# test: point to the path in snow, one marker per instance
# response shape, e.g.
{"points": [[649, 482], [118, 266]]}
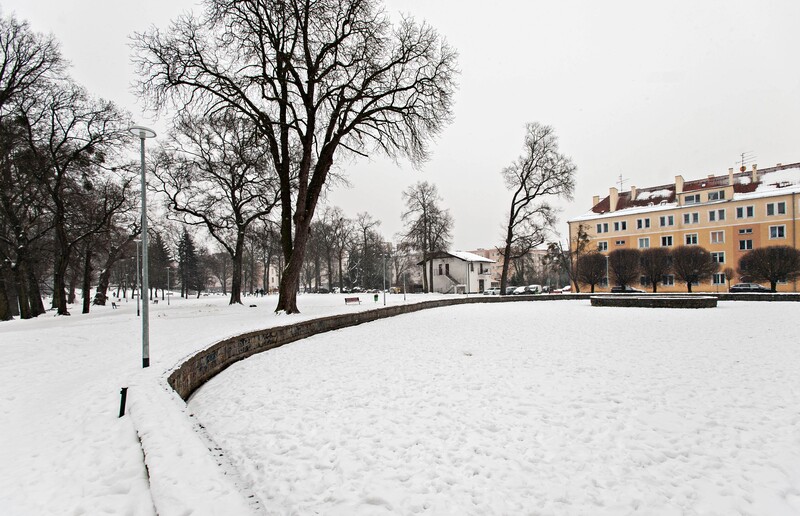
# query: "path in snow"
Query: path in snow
{"points": [[523, 408]]}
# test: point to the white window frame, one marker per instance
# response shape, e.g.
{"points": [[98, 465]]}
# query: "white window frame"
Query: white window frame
{"points": [[777, 232], [716, 215], [746, 244], [777, 208], [602, 246], [602, 228], [666, 220], [645, 241], [642, 223], [713, 234], [746, 231], [664, 239], [718, 256], [621, 225], [718, 278], [716, 196], [619, 242], [668, 280], [686, 238], [691, 218], [745, 212], [692, 199]]}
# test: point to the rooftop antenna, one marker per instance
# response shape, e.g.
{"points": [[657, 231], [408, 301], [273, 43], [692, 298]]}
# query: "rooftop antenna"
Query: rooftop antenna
{"points": [[746, 158], [621, 182]]}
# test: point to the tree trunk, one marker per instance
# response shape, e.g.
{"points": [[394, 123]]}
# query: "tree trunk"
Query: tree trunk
{"points": [[23, 295], [689, 287], [34, 294], [773, 286], [5, 302], [86, 286], [236, 276]]}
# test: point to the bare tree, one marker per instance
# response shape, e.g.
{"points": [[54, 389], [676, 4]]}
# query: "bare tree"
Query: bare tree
{"points": [[655, 263], [317, 77], [217, 173], [591, 269], [539, 173], [567, 261], [773, 264], [692, 264], [729, 274], [429, 226], [624, 266]]}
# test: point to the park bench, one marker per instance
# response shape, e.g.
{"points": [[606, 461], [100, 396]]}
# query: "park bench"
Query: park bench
{"points": [[352, 300]]}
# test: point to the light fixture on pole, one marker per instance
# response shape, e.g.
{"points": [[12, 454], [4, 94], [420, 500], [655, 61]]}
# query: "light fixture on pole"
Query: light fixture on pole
{"points": [[143, 133], [168, 292]]}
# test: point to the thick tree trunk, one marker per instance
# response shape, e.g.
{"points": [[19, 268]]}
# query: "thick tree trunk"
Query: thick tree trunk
{"points": [[689, 286], [34, 294], [655, 288], [23, 295], [86, 286], [6, 312]]}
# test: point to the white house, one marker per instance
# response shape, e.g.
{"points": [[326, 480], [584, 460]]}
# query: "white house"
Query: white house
{"points": [[459, 272]]}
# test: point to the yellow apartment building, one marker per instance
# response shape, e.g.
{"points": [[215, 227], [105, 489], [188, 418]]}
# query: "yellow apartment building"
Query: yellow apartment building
{"points": [[728, 215]]}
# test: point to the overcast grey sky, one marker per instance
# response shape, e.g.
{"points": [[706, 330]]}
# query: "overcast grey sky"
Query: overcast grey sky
{"points": [[635, 88]]}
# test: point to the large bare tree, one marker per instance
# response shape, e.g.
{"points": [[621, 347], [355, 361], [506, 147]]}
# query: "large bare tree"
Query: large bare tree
{"points": [[428, 225], [692, 264], [655, 263], [217, 173], [540, 173], [624, 266], [318, 77]]}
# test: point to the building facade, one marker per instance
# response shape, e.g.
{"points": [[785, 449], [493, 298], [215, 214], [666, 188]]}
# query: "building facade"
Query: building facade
{"points": [[728, 215], [459, 272]]}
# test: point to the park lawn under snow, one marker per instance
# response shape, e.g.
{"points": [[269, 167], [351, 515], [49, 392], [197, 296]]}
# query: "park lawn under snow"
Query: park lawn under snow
{"points": [[63, 450], [522, 408]]}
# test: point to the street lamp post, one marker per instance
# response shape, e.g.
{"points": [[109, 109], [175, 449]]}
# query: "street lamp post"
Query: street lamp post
{"points": [[384, 278], [136, 283], [143, 133]]}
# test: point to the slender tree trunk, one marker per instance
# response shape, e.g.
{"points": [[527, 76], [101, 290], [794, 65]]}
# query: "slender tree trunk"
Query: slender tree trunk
{"points": [[23, 295], [34, 294], [86, 286], [689, 286], [5, 298], [655, 287], [236, 276]]}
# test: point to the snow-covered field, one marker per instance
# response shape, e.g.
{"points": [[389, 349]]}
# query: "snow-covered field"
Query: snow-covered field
{"points": [[518, 408], [63, 451], [522, 408]]}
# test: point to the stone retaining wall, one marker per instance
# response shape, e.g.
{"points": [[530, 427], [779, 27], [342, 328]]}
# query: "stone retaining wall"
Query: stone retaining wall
{"points": [[656, 301]]}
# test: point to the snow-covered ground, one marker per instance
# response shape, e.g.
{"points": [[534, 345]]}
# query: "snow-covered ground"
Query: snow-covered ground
{"points": [[522, 408], [63, 451]]}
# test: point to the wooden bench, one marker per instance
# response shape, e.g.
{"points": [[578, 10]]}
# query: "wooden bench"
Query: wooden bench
{"points": [[352, 300]]}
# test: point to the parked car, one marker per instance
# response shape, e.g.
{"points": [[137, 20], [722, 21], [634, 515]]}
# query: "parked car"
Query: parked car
{"points": [[491, 291], [519, 291], [749, 287], [533, 289], [626, 289], [510, 290]]}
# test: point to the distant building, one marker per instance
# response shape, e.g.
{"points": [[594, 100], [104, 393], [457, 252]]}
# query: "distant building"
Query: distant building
{"points": [[728, 215], [459, 272], [532, 266]]}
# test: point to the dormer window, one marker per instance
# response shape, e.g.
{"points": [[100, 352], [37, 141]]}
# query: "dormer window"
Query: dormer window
{"points": [[692, 199], [716, 196]]}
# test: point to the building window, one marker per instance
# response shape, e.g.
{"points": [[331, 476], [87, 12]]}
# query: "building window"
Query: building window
{"points": [[619, 242], [745, 212], [666, 220], [718, 278], [668, 280], [717, 237], [715, 215], [777, 231], [692, 199], [691, 239], [644, 243], [745, 231], [440, 270], [602, 228], [691, 218], [602, 246], [776, 208], [718, 257], [745, 245], [666, 241], [642, 223], [716, 196], [621, 226], [471, 267], [644, 281]]}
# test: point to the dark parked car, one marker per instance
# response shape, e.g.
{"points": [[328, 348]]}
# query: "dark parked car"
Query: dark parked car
{"points": [[619, 289], [749, 287]]}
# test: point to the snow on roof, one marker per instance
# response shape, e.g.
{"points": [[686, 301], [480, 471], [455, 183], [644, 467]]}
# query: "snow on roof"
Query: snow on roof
{"points": [[590, 215], [779, 179], [645, 195], [469, 257]]}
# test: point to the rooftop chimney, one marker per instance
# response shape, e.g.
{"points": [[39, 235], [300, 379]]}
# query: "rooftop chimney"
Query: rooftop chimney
{"points": [[678, 185], [754, 173], [730, 177], [595, 200], [613, 197], [633, 193]]}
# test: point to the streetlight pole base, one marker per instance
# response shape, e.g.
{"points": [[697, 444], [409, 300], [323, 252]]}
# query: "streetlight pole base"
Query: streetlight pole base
{"points": [[145, 362]]}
